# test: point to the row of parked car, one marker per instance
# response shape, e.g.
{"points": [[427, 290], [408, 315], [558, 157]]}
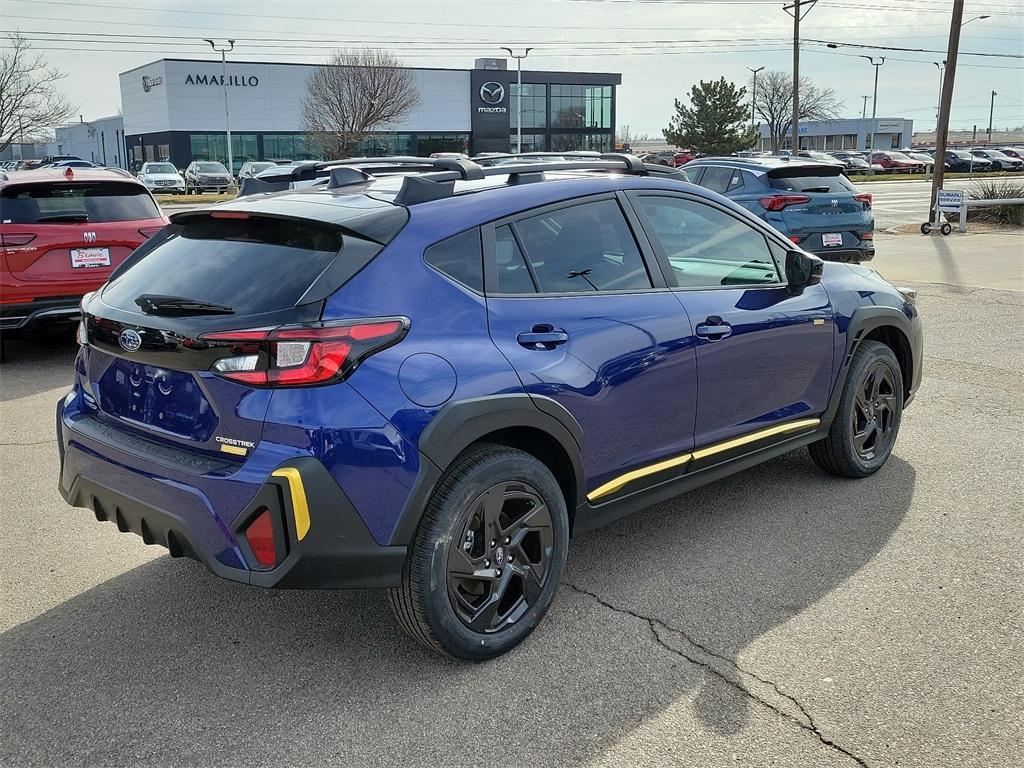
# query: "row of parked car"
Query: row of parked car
{"points": [[884, 161]]}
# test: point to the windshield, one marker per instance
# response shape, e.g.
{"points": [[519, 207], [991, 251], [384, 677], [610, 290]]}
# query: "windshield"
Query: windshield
{"points": [[211, 168], [160, 168], [62, 202], [257, 167], [898, 156]]}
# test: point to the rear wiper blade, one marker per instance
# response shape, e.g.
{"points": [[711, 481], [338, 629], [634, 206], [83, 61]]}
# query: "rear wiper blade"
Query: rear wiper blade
{"points": [[64, 217], [153, 304], [815, 189]]}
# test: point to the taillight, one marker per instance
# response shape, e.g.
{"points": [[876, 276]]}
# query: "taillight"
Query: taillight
{"points": [[303, 355], [260, 535], [864, 197], [867, 235], [778, 202], [148, 232], [19, 238], [795, 239]]}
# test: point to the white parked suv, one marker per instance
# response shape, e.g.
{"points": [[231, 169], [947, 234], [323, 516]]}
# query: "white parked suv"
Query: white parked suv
{"points": [[162, 177]]}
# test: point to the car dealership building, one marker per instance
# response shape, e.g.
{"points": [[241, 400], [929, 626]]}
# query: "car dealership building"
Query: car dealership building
{"points": [[174, 110]]}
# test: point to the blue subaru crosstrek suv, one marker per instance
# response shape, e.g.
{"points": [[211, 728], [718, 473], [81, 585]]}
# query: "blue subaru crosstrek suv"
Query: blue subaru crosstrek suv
{"points": [[427, 377], [812, 203]]}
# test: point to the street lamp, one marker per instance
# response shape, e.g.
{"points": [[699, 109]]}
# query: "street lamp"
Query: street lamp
{"points": [[753, 95], [223, 50], [519, 94], [874, 103]]}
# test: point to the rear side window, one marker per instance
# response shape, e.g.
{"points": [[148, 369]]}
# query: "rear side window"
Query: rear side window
{"points": [[251, 265], [513, 276], [811, 182], [587, 247], [721, 180], [76, 203], [460, 258]]}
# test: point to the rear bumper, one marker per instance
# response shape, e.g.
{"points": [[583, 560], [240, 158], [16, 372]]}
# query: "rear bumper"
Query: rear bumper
{"points": [[855, 255], [335, 551], [16, 317]]}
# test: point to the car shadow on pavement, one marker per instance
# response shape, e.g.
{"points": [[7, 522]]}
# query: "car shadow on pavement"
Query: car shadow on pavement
{"points": [[165, 664]]}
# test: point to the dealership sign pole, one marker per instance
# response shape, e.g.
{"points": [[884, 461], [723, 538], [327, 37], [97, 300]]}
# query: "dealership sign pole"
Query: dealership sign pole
{"points": [[227, 114]]}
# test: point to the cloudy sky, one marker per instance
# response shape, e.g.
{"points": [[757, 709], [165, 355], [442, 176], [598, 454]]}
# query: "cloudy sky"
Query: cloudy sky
{"points": [[661, 47]]}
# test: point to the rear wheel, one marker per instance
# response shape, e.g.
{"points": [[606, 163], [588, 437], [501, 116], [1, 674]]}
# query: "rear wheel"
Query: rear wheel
{"points": [[864, 429], [488, 555]]}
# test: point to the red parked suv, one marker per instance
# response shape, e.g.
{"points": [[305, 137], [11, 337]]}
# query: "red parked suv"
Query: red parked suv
{"points": [[62, 233], [682, 158], [897, 162]]}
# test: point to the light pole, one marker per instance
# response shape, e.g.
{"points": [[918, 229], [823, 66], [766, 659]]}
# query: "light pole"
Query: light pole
{"points": [[991, 109], [753, 95], [874, 103], [224, 81], [519, 94], [864, 110]]}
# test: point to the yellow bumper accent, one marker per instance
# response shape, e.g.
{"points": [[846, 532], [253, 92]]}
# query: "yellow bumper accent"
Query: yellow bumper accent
{"points": [[622, 480], [300, 509]]}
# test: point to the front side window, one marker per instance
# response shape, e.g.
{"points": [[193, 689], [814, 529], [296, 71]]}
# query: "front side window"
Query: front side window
{"points": [[705, 247], [583, 248]]}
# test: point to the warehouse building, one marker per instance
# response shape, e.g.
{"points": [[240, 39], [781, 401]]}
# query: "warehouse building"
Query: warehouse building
{"points": [[827, 135], [174, 110]]}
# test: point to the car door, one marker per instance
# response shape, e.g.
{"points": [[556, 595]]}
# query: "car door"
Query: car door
{"points": [[764, 355], [586, 318]]}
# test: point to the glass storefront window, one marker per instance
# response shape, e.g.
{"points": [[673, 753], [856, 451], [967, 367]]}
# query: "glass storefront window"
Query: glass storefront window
{"points": [[535, 105]]}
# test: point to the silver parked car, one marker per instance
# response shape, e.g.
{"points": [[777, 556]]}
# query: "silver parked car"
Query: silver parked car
{"points": [[162, 177]]}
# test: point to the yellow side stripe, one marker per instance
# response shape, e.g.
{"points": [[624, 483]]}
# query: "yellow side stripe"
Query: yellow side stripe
{"points": [[300, 509], [622, 480], [755, 436]]}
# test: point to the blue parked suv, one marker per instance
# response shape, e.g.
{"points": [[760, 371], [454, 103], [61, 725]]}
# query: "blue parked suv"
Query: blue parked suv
{"points": [[427, 378], [811, 203]]}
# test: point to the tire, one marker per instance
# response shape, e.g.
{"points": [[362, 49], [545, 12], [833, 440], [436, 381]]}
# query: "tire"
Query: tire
{"points": [[926, 228], [839, 453], [945, 228], [457, 532]]}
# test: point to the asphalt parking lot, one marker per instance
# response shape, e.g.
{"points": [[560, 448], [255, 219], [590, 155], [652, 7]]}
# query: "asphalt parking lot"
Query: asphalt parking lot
{"points": [[777, 618]]}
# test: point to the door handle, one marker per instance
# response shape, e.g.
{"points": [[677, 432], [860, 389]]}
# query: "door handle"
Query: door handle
{"points": [[714, 328], [542, 337]]}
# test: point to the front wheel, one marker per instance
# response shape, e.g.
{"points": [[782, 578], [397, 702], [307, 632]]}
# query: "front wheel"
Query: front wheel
{"points": [[864, 429], [946, 228], [926, 228], [488, 555]]}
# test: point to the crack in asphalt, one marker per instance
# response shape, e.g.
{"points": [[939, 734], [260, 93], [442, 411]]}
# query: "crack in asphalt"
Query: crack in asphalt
{"points": [[36, 442], [806, 724]]}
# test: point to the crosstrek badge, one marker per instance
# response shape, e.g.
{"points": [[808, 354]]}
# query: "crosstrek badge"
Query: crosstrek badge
{"points": [[237, 447]]}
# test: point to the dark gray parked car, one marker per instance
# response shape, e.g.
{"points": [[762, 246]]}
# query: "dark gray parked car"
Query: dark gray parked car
{"points": [[206, 176]]}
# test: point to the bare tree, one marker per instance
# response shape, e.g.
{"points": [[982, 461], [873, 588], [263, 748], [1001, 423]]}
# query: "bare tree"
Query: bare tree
{"points": [[357, 92], [774, 104], [29, 100]]}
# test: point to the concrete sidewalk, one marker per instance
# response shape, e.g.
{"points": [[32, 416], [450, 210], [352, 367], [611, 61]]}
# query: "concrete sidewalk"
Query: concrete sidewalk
{"points": [[974, 259]]}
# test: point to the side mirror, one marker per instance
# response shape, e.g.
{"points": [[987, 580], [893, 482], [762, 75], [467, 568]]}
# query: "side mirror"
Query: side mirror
{"points": [[802, 270]]}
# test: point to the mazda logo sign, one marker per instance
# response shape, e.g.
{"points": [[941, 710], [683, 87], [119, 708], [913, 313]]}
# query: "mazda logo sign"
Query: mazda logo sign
{"points": [[492, 93], [129, 340]]}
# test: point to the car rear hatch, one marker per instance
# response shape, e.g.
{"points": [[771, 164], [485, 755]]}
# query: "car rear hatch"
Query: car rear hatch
{"points": [[147, 365], [819, 206], [56, 231]]}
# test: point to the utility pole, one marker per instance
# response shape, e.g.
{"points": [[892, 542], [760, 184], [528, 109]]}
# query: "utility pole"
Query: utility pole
{"points": [[874, 104], [942, 129], [519, 95], [753, 95], [991, 109], [224, 81], [864, 111]]}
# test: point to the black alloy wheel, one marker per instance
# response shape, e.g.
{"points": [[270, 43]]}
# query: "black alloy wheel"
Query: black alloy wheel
{"points": [[488, 556], [499, 564], [874, 412], [864, 430]]}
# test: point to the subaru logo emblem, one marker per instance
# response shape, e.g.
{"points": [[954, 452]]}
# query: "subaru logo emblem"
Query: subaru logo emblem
{"points": [[492, 93], [89, 237], [129, 340]]}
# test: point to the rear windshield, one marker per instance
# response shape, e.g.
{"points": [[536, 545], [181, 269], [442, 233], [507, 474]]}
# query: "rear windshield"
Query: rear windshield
{"points": [[211, 168], [76, 202], [251, 265], [810, 180]]}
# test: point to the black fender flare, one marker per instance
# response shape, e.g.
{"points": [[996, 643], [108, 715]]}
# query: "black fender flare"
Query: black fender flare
{"points": [[863, 321], [460, 424]]}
